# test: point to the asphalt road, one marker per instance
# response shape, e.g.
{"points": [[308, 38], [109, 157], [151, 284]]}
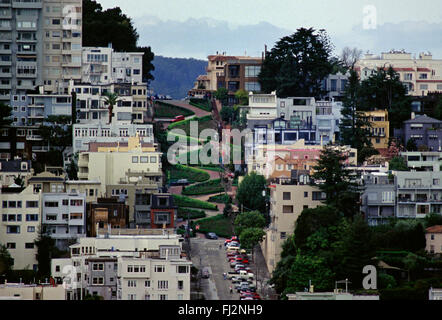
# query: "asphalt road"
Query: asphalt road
{"points": [[206, 253]]}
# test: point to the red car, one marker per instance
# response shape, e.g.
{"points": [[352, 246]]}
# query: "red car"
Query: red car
{"points": [[178, 118]]}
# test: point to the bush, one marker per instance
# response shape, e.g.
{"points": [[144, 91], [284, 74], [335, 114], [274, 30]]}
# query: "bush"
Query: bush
{"points": [[209, 187], [386, 281], [203, 104], [205, 122], [220, 198], [219, 224], [193, 214], [167, 110], [182, 201], [191, 174]]}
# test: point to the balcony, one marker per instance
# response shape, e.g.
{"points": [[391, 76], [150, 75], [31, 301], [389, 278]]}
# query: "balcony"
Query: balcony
{"points": [[36, 115], [26, 4], [37, 105], [40, 148], [34, 138]]}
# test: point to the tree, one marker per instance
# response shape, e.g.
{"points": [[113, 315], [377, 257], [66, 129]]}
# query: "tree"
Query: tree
{"points": [[242, 96], [72, 170], [18, 180], [398, 164], [354, 126], [45, 252], [411, 145], [5, 115], [433, 219], [252, 219], [249, 194], [111, 99], [438, 109], [222, 94], [297, 64], [6, 261], [250, 237], [227, 114], [384, 89], [337, 182], [148, 66], [349, 57], [57, 132]]}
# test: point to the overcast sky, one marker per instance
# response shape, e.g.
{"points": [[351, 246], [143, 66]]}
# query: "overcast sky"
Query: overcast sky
{"points": [[417, 23]]}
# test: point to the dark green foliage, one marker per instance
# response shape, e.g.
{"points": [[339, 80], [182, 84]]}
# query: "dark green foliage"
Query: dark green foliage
{"points": [[250, 237], [182, 201], [247, 220], [438, 109], [242, 96], [249, 193], [6, 261], [184, 213], [433, 219], [297, 64], [57, 132], [191, 174], [411, 145], [5, 114], [209, 187], [222, 94], [46, 251], [148, 66], [386, 281], [166, 110], [220, 198], [398, 164], [399, 236], [218, 224], [203, 104]]}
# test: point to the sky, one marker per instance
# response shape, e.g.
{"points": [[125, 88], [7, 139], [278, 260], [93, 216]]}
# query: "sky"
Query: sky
{"points": [[187, 28]]}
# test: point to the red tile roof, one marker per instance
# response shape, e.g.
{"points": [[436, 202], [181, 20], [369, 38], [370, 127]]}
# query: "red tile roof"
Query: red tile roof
{"points": [[424, 69], [435, 229]]}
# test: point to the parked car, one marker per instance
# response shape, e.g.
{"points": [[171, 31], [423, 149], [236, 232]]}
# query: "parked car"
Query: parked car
{"points": [[236, 280], [168, 97], [178, 118], [233, 244], [205, 273], [180, 182], [211, 235], [227, 242]]}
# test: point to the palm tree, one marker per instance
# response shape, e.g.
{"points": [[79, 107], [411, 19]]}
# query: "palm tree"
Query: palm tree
{"points": [[111, 99]]}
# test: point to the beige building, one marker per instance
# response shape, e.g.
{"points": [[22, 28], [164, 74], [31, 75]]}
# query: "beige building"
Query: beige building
{"points": [[380, 128], [420, 76], [90, 188], [287, 201], [19, 225], [433, 239], [20, 291]]}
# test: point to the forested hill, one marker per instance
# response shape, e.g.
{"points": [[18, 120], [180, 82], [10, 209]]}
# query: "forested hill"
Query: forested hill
{"points": [[176, 76]]}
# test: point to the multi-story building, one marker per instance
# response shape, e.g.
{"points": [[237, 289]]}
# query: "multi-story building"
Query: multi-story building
{"points": [[287, 201], [47, 182], [106, 213], [334, 86], [83, 134], [380, 128], [102, 65], [328, 117], [425, 131], [90, 188], [64, 217], [101, 277], [433, 237], [163, 212], [21, 291], [422, 160], [19, 225], [21, 141], [420, 76], [12, 169]]}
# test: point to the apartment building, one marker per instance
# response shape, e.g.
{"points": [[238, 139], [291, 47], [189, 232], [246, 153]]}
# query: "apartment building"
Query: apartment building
{"points": [[163, 212], [288, 198], [425, 131], [422, 160], [334, 86], [21, 141], [89, 188], [64, 217], [106, 213], [102, 65], [101, 277], [433, 237], [12, 169], [328, 118], [165, 277], [420, 76], [21, 291], [84, 134], [19, 225], [47, 182], [380, 128]]}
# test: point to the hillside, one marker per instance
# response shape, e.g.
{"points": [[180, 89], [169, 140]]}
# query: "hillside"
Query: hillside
{"points": [[176, 76]]}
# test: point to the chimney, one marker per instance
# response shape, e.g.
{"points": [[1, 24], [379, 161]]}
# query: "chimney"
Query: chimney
{"points": [[413, 115]]}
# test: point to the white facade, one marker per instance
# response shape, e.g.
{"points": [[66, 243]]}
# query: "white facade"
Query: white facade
{"points": [[100, 132], [19, 226], [64, 217], [328, 117]]}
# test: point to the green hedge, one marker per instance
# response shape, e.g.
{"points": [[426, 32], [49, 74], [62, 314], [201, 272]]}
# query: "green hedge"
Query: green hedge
{"points": [[203, 104], [203, 123], [219, 198], [182, 201], [209, 187], [192, 174], [167, 110], [193, 214], [219, 224]]}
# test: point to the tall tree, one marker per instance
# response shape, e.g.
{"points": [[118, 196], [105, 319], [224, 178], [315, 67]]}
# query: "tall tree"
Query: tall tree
{"points": [[242, 96], [249, 193], [57, 132], [384, 89], [222, 94], [252, 219], [6, 261], [337, 182], [5, 115], [148, 66], [297, 64], [349, 57], [45, 252], [111, 99], [354, 126]]}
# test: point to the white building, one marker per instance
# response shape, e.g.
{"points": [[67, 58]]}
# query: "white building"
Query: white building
{"points": [[20, 291], [19, 225], [64, 217]]}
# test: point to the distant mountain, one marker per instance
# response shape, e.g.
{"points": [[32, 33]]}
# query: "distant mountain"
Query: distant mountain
{"points": [[176, 76]]}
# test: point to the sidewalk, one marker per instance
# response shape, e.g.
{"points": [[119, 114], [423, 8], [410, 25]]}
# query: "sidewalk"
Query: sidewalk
{"points": [[262, 275]]}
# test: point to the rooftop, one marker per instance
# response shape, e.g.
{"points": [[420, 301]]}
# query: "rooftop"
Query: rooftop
{"points": [[434, 229]]}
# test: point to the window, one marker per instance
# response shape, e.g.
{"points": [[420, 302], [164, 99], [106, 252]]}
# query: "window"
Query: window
{"points": [[147, 297], [163, 284], [144, 159], [13, 229], [286, 196], [287, 209], [98, 280], [252, 71], [423, 76], [283, 235], [180, 284], [31, 204], [130, 268], [134, 159], [65, 202], [29, 245], [305, 194], [423, 87], [51, 204], [32, 217], [153, 159], [436, 182], [432, 237], [163, 296], [131, 283], [147, 283], [183, 269], [159, 268], [31, 229], [10, 245], [98, 266], [77, 202], [304, 207]]}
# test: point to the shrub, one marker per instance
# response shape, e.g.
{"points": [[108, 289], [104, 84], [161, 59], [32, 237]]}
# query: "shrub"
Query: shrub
{"points": [[193, 214], [191, 174], [220, 198], [203, 104], [209, 187], [219, 224], [182, 201], [167, 110]]}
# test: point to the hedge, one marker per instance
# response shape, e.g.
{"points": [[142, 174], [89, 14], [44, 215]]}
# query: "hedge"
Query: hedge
{"points": [[202, 104], [191, 174], [209, 187], [193, 214], [203, 123], [219, 224], [182, 201], [219, 198], [167, 110]]}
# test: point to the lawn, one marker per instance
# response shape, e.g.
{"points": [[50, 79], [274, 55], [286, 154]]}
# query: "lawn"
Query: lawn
{"points": [[184, 172], [208, 187], [219, 224], [182, 201], [166, 110], [203, 104]]}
